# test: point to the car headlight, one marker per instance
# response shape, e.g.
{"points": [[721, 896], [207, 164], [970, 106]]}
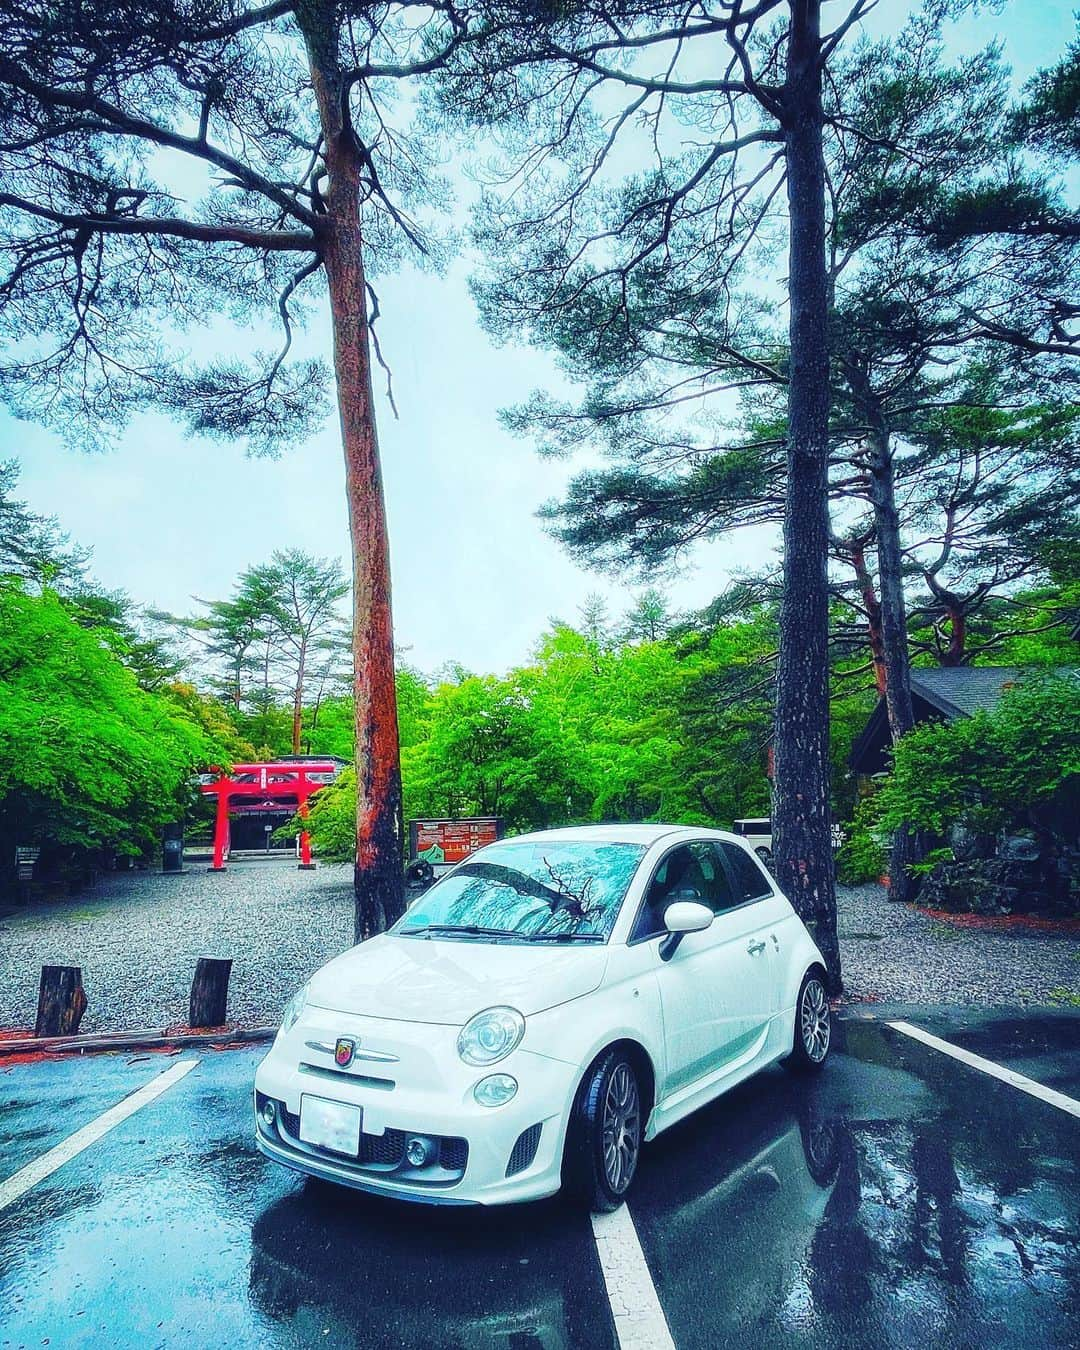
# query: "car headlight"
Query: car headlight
{"points": [[490, 1035], [295, 1006]]}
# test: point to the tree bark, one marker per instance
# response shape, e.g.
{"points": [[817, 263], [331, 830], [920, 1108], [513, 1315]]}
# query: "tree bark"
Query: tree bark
{"points": [[379, 877], [298, 700], [209, 1000], [954, 653], [61, 1001], [904, 850], [873, 615], [802, 837], [891, 585]]}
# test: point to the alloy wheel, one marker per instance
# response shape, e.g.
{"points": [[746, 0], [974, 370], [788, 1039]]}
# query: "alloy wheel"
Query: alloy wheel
{"points": [[814, 1021], [622, 1128]]}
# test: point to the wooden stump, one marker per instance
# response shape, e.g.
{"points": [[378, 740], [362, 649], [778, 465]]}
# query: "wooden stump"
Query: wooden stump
{"points": [[209, 992], [61, 1001]]}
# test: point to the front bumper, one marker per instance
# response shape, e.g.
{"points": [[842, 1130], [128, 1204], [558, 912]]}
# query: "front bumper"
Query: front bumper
{"points": [[484, 1155]]}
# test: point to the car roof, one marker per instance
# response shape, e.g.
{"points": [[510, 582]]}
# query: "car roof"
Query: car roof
{"points": [[619, 834]]}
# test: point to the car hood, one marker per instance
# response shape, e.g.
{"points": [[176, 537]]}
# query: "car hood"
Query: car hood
{"points": [[448, 981]]}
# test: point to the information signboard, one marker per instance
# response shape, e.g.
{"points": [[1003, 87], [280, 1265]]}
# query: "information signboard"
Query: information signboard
{"points": [[446, 842], [25, 858]]}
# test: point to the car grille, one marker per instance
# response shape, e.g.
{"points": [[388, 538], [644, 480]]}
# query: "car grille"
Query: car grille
{"points": [[524, 1151], [453, 1153], [385, 1153], [388, 1148]]}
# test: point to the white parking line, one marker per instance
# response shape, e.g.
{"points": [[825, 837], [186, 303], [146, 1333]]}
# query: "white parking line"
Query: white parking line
{"points": [[40, 1168], [639, 1319], [987, 1066]]}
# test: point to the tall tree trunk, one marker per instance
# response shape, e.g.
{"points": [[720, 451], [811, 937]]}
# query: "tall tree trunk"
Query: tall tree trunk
{"points": [[802, 835], [891, 585], [379, 876], [873, 615], [954, 612], [298, 700], [953, 655], [905, 846]]}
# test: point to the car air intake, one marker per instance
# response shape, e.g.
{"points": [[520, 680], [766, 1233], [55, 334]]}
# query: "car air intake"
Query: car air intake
{"points": [[524, 1151]]}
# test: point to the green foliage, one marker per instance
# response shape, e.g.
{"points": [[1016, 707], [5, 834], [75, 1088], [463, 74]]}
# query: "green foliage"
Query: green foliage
{"points": [[864, 854], [332, 821], [590, 729], [932, 859], [989, 771], [1050, 116], [87, 758]]}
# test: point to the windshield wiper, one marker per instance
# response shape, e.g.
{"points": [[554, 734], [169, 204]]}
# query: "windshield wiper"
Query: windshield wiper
{"points": [[565, 937], [469, 929]]}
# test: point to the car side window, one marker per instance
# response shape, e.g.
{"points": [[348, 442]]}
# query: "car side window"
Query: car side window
{"points": [[751, 883], [689, 872]]}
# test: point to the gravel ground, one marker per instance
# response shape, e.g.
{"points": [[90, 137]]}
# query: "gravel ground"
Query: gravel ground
{"points": [[137, 937], [892, 953]]}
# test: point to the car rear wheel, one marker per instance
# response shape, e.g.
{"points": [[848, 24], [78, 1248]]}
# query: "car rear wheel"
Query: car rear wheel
{"points": [[604, 1141], [813, 1025]]}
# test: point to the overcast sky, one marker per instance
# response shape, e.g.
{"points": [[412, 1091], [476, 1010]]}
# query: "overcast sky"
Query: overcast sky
{"points": [[475, 577]]}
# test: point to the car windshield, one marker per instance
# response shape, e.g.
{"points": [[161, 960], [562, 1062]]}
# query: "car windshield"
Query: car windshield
{"points": [[537, 892]]}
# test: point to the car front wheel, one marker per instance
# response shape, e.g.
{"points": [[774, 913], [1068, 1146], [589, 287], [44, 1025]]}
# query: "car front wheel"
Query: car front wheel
{"points": [[604, 1141], [813, 1025]]}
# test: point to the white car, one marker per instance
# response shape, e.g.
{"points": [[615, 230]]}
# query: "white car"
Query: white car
{"points": [[545, 1008], [757, 831]]}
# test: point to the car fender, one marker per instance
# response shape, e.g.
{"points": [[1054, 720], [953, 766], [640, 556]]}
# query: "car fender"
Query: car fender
{"points": [[578, 1032], [802, 953]]}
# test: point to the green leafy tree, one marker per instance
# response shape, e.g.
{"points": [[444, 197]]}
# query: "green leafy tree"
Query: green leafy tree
{"points": [[88, 761], [494, 750], [649, 617]]}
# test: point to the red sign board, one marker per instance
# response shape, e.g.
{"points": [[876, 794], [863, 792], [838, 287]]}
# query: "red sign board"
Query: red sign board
{"points": [[445, 842]]}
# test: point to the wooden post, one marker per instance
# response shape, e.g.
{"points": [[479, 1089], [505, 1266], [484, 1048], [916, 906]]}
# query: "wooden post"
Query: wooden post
{"points": [[61, 1001], [209, 992]]}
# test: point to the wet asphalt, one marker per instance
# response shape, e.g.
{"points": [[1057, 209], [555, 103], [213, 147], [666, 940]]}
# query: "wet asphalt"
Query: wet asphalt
{"points": [[901, 1199]]}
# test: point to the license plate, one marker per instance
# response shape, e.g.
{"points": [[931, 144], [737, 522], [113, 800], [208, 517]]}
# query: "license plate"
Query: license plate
{"points": [[330, 1125]]}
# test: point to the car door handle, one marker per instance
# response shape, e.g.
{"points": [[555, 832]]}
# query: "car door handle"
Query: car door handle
{"points": [[756, 948]]}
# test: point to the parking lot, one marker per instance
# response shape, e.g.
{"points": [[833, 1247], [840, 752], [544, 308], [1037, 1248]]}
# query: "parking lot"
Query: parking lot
{"points": [[905, 1198]]}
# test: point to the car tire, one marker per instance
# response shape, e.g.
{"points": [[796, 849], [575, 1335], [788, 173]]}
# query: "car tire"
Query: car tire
{"points": [[603, 1142], [813, 1025]]}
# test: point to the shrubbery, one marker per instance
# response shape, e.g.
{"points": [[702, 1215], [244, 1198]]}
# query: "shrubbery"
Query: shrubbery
{"points": [[970, 783], [1015, 767]]}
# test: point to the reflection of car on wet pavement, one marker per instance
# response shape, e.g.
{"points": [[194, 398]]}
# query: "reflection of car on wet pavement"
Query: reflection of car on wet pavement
{"points": [[495, 1290], [536, 1015], [757, 1195]]}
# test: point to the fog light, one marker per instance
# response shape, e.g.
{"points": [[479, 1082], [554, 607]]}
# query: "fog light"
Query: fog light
{"points": [[495, 1090], [419, 1151], [269, 1114]]}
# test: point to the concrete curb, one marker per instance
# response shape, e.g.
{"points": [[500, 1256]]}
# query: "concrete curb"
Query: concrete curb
{"points": [[102, 1042]]}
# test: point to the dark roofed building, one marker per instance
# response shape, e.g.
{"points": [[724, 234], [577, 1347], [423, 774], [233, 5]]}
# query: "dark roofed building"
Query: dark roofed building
{"points": [[938, 694]]}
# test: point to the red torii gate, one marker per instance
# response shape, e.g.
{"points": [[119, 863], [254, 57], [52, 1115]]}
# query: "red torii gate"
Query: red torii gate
{"points": [[284, 785]]}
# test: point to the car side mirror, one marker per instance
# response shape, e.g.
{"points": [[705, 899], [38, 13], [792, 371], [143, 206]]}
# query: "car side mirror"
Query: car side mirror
{"points": [[684, 916]]}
